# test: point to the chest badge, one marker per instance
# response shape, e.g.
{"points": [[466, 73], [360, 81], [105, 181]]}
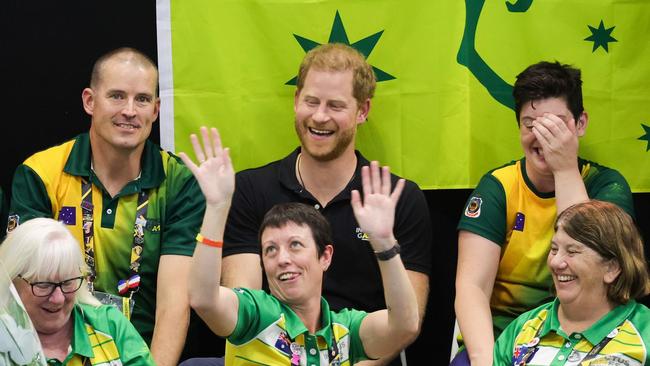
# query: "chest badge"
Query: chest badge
{"points": [[520, 220]]}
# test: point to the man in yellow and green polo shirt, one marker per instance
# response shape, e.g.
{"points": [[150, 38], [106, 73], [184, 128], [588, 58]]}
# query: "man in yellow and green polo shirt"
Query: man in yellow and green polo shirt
{"points": [[134, 208], [506, 227]]}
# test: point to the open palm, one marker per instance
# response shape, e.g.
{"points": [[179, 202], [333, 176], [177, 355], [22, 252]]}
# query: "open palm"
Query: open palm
{"points": [[376, 214], [214, 173]]}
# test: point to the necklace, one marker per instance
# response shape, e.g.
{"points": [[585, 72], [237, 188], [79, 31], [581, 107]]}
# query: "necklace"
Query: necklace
{"points": [[302, 182]]}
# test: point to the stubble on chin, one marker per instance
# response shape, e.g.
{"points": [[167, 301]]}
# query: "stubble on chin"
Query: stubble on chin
{"points": [[341, 144]]}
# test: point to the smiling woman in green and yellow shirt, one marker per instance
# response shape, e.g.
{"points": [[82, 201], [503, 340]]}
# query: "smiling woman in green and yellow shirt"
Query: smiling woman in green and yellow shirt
{"points": [[598, 269]]}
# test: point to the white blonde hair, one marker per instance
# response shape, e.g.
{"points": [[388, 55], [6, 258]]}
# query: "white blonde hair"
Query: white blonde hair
{"points": [[43, 249]]}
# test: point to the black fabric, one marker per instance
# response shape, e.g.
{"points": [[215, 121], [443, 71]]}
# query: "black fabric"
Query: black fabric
{"points": [[353, 279]]}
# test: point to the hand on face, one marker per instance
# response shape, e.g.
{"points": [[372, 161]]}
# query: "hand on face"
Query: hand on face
{"points": [[376, 214], [558, 140], [214, 173]]}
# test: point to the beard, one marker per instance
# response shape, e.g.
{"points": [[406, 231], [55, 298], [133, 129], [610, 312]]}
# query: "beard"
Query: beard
{"points": [[340, 144]]}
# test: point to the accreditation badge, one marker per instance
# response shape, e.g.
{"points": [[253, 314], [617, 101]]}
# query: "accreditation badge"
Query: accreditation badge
{"points": [[124, 304]]}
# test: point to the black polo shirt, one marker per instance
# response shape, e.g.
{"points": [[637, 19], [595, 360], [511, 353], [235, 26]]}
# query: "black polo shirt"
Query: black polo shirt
{"points": [[353, 279]]}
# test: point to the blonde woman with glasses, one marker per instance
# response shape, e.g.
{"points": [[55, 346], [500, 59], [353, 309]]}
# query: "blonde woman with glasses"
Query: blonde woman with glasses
{"points": [[45, 264]]}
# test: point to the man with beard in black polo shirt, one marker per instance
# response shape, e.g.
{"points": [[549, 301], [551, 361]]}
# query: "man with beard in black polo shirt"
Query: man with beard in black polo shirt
{"points": [[334, 88]]}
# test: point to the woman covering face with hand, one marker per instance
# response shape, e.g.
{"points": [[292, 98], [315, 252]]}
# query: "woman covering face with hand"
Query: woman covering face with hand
{"points": [[599, 269], [46, 266]]}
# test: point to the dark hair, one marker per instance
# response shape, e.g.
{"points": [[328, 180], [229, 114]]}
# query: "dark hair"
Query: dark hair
{"points": [[340, 57], [300, 214], [123, 53], [549, 80], [610, 232]]}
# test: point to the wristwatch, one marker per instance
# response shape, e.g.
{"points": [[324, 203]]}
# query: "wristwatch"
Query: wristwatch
{"points": [[388, 253]]}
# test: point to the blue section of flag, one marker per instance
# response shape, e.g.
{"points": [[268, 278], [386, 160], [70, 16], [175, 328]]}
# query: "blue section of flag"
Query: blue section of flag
{"points": [[520, 220], [67, 215], [283, 343]]}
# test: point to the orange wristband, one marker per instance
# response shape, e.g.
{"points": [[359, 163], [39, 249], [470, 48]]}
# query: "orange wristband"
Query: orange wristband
{"points": [[211, 243]]}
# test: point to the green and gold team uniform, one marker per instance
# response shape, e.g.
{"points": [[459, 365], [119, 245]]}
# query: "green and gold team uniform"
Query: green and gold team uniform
{"points": [[103, 337], [49, 184], [506, 209], [620, 338], [268, 332]]}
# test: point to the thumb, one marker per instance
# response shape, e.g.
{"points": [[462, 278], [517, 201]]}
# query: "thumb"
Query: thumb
{"points": [[188, 162]]}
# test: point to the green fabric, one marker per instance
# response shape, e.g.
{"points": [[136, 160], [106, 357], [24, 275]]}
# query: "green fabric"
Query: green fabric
{"points": [[49, 183], [520, 219], [104, 335], [266, 327], [441, 114], [629, 346]]}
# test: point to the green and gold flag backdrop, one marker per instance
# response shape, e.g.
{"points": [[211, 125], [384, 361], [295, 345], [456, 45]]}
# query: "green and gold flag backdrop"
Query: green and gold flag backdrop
{"points": [[442, 115]]}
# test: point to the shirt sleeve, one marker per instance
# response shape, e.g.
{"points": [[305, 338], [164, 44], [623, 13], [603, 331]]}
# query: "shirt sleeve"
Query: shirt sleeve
{"points": [[184, 212], [244, 219], [355, 318], [252, 304], [485, 211], [504, 345], [29, 198], [413, 229], [609, 185]]}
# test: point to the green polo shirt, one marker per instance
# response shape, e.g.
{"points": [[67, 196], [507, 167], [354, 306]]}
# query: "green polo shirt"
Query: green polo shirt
{"points": [[268, 332], [103, 336], [48, 184], [628, 326]]}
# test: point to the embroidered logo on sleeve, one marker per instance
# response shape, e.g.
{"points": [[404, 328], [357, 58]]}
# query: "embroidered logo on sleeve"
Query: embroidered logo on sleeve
{"points": [[12, 222], [473, 208]]}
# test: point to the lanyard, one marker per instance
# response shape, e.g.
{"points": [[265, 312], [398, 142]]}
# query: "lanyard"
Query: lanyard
{"points": [[334, 355], [123, 286], [529, 349], [597, 348]]}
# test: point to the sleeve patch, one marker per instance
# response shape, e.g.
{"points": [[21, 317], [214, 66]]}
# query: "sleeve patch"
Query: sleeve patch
{"points": [[12, 222], [473, 208]]}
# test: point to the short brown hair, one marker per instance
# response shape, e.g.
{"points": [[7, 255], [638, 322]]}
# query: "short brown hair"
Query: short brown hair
{"points": [[124, 53], [545, 80], [300, 214], [340, 57], [611, 232]]}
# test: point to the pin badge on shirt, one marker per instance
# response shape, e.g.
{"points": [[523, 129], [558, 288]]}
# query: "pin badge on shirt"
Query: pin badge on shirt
{"points": [[295, 354], [518, 356], [574, 356], [68, 215], [520, 220]]}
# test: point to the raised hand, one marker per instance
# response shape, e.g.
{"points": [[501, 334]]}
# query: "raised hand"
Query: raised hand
{"points": [[376, 214], [559, 141], [214, 173]]}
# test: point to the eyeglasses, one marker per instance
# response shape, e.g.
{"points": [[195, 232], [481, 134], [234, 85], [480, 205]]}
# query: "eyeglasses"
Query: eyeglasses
{"points": [[43, 289]]}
